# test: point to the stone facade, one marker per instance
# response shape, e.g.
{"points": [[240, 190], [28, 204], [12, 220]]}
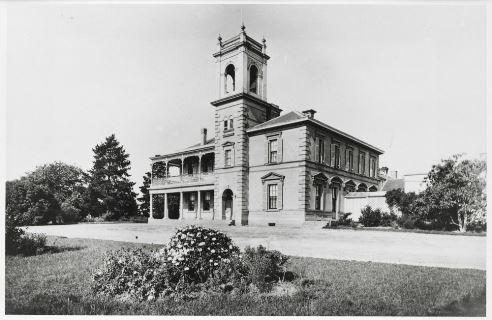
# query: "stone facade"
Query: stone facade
{"points": [[261, 167]]}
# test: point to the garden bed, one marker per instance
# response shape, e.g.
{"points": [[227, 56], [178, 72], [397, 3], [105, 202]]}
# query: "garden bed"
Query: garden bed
{"points": [[60, 283]]}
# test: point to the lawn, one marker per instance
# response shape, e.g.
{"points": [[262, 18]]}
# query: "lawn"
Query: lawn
{"points": [[59, 283]]}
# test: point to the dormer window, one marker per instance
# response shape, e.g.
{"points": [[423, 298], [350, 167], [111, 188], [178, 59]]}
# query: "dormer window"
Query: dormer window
{"points": [[253, 79]]}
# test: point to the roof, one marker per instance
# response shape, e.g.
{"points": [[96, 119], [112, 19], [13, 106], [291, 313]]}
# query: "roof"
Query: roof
{"points": [[280, 120], [210, 143], [294, 117], [393, 184]]}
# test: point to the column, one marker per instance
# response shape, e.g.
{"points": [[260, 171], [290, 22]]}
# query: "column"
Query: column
{"points": [[199, 207], [166, 174], [165, 206], [181, 205], [182, 166], [150, 207], [199, 164]]}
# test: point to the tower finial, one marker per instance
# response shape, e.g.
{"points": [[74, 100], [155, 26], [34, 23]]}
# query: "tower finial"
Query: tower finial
{"points": [[219, 38], [242, 26]]}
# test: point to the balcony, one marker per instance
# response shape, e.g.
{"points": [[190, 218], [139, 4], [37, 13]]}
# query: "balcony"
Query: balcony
{"points": [[204, 177]]}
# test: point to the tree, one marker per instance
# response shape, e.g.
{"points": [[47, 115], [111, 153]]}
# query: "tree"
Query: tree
{"points": [[401, 200], [144, 207], [37, 198], [110, 189], [456, 193]]}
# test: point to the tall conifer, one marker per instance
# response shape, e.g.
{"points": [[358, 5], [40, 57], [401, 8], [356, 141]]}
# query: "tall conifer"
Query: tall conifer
{"points": [[110, 188]]}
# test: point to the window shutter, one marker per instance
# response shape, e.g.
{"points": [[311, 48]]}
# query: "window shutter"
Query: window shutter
{"points": [[347, 160], [265, 196], [333, 153], [266, 150], [280, 149], [316, 149], [279, 195], [340, 163], [326, 159]]}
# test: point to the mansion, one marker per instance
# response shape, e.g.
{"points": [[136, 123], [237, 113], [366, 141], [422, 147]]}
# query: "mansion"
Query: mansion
{"points": [[260, 167]]}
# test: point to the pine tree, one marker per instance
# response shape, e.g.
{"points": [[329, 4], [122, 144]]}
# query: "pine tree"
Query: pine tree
{"points": [[110, 189], [145, 198]]}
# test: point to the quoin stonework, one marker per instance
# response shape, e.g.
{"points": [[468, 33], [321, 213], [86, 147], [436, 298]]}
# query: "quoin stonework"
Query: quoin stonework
{"points": [[260, 166]]}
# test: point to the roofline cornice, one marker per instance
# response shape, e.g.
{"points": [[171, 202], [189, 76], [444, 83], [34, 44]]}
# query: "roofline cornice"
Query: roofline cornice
{"points": [[318, 124], [246, 96]]}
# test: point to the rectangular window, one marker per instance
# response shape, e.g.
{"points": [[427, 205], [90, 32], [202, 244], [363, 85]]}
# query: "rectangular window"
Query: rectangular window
{"points": [[228, 158], [272, 150], [362, 163], [231, 124], [272, 196], [337, 156], [317, 199], [349, 160], [372, 167], [206, 201], [321, 150], [191, 202], [225, 125]]}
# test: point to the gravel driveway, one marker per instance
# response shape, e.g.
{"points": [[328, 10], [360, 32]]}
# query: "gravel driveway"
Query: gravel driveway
{"points": [[453, 251]]}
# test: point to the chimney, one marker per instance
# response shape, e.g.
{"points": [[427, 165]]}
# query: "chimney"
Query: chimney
{"points": [[204, 136], [383, 171], [309, 113]]}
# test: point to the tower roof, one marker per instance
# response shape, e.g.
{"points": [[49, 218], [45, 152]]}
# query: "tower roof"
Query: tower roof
{"points": [[239, 40]]}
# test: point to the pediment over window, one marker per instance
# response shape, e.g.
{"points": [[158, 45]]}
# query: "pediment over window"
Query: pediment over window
{"points": [[320, 178], [227, 144], [272, 176]]}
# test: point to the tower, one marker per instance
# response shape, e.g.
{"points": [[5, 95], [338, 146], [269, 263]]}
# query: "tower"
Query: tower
{"points": [[241, 104]]}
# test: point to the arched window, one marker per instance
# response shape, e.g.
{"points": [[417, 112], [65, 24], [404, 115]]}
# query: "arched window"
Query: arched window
{"points": [[230, 78], [253, 79]]}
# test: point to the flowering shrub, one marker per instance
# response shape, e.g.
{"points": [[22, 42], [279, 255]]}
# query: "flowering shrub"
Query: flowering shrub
{"points": [[137, 273], [194, 253], [196, 261]]}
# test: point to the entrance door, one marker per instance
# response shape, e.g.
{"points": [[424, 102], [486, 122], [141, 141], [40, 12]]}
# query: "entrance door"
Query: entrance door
{"points": [[227, 204]]}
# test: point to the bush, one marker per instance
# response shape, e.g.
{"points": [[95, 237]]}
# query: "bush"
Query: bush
{"points": [[140, 274], [406, 222], [389, 219], [196, 252], [345, 220], [264, 266], [196, 261], [18, 242], [370, 217]]}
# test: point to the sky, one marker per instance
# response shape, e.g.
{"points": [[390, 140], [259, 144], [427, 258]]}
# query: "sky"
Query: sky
{"points": [[409, 79]]}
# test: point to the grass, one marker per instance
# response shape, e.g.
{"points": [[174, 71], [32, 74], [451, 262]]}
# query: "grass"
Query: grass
{"points": [[59, 283]]}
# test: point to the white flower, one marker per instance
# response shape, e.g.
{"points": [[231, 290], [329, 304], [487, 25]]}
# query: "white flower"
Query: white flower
{"points": [[186, 268], [213, 251], [201, 244], [213, 239], [216, 264], [230, 246], [211, 260], [183, 236]]}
